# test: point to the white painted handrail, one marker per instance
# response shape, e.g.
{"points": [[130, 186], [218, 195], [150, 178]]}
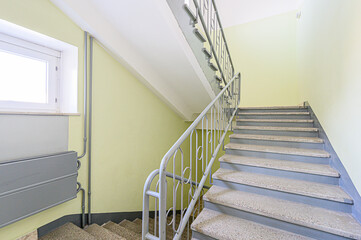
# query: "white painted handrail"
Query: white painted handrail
{"points": [[216, 119]]}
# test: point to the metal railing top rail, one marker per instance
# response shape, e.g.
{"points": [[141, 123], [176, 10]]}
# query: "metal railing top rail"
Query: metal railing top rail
{"points": [[212, 26], [222, 31], [222, 114], [193, 126]]}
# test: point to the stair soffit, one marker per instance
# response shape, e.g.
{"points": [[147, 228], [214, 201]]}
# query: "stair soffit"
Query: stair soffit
{"points": [[181, 82]]}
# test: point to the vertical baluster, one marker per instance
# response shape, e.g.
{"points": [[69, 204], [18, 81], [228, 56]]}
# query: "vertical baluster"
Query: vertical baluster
{"points": [[182, 191], [174, 188], [209, 17], [191, 162]]}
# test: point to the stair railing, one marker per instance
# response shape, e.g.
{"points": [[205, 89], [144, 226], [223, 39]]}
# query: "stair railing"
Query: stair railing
{"points": [[207, 13], [187, 165]]}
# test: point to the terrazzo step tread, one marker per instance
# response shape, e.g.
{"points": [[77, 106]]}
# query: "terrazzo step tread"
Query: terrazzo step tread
{"points": [[284, 165], [139, 221], [101, 233], [284, 129], [122, 231], [277, 138], [272, 108], [68, 231], [276, 120], [279, 150], [338, 223], [275, 113], [299, 187], [131, 226], [221, 226], [151, 226]]}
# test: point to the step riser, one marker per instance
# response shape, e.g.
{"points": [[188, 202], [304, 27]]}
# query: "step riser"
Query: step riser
{"points": [[273, 110], [271, 222], [278, 143], [281, 173], [274, 116], [274, 124], [200, 236], [278, 156], [323, 203], [277, 133]]}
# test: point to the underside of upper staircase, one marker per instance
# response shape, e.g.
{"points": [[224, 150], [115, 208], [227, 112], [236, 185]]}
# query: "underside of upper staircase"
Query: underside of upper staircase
{"points": [[146, 38]]}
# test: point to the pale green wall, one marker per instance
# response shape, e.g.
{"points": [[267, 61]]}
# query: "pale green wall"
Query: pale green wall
{"points": [[329, 55], [264, 51], [132, 128]]}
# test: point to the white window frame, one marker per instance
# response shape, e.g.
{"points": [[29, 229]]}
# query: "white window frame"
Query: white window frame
{"points": [[52, 57], [63, 94]]}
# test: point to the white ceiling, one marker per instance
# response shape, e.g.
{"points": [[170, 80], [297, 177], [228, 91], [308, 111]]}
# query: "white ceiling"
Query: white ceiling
{"points": [[235, 12]]}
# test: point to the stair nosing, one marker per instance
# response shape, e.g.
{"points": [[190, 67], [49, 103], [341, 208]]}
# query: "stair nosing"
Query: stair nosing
{"points": [[281, 129], [279, 150], [275, 120], [291, 218], [224, 159], [277, 138], [274, 113], [348, 200], [272, 108]]}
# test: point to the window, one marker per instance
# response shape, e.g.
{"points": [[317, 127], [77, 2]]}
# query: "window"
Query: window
{"points": [[28, 76], [38, 74]]}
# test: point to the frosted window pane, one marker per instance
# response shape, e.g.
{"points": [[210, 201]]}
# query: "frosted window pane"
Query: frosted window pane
{"points": [[23, 79]]}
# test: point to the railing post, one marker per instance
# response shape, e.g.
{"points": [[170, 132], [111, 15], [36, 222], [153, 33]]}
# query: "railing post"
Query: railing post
{"points": [[145, 216], [162, 204]]}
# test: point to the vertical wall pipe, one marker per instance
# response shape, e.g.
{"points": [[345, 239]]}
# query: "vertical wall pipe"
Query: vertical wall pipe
{"points": [[80, 189], [90, 126], [85, 93]]}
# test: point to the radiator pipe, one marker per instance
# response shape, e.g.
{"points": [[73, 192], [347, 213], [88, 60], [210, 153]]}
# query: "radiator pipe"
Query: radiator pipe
{"points": [[80, 189], [90, 127]]}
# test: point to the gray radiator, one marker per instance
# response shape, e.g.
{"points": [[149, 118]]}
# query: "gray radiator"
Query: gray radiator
{"points": [[29, 186]]}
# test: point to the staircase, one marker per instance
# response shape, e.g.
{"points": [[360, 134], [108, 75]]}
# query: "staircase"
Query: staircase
{"points": [[125, 230], [275, 182]]}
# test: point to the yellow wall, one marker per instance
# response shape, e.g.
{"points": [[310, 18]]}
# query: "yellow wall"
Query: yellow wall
{"points": [[132, 128], [329, 55], [264, 51]]}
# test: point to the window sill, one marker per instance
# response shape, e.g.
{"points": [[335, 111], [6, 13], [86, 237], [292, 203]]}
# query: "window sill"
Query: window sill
{"points": [[38, 113]]}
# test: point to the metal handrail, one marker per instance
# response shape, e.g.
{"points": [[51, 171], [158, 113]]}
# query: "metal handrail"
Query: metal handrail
{"points": [[222, 111], [204, 8]]}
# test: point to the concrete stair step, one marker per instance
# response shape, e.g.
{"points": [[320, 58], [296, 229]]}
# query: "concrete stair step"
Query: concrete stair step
{"points": [[332, 222], [273, 108], [299, 187], [273, 113], [277, 138], [284, 114], [216, 225], [276, 120], [277, 130], [101, 233], [283, 129], [169, 231], [138, 221], [284, 165], [131, 226], [279, 150], [122, 231], [70, 232]]}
